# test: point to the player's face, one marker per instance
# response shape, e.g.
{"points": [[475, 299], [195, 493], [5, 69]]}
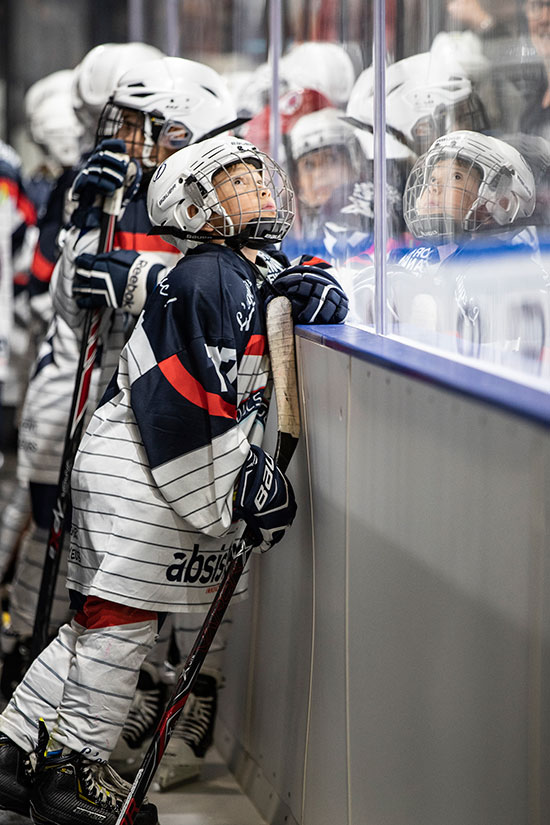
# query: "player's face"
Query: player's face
{"points": [[450, 191], [131, 131], [320, 173], [243, 194]]}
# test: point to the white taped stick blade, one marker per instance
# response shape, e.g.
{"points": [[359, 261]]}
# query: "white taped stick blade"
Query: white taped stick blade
{"points": [[280, 337]]}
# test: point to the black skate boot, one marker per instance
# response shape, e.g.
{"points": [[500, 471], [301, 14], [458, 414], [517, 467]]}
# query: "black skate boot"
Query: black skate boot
{"points": [[69, 789], [145, 712], [16, 777], [191, 738]]}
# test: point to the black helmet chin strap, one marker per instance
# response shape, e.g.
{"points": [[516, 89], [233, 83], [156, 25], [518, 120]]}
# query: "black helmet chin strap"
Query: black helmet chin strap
{"points": [[234, 241]]}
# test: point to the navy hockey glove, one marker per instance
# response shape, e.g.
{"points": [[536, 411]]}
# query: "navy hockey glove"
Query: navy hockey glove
{"points": [[122, 278], [104, 171], [264, 499], [315, 294]]}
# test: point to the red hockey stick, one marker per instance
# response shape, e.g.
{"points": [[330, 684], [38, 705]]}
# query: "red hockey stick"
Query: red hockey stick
{"points": [[88, 350], [280, 334]]}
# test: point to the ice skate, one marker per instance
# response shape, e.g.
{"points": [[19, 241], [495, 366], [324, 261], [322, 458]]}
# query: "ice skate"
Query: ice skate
{"points": [[191, 738], [69, 789], [146, 710], [16, 777]]}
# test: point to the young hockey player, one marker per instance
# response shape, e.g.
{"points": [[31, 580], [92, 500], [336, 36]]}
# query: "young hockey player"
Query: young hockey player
{"points": [[102, 281], [87, 87], [474, 284], [485, 292], [326, 162], [156, 107], [169, 468], [466, 188]]}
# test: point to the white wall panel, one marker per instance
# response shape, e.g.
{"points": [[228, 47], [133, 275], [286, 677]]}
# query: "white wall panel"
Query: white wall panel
{"points": [[415, 591]]}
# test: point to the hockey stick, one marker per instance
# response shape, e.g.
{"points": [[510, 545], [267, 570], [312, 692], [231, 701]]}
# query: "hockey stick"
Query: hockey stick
{"points": [[88, 350], [280, 333]]}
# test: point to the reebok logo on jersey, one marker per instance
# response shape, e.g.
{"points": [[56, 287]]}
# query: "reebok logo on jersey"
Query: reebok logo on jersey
{"points": [[196, 567]]}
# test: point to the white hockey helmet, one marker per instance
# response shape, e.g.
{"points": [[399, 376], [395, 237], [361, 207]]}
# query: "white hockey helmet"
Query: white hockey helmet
{"points": [[97, 74], [56, 130], [51, 120], [325, 67], [505, 187], [182, 101], [317, 130], [52, 84], [426, 97], [324, 129], [182, 197]]}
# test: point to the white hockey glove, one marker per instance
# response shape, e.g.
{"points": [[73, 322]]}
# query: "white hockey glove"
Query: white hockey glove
{"points": [[121, 279], [264, 499]]}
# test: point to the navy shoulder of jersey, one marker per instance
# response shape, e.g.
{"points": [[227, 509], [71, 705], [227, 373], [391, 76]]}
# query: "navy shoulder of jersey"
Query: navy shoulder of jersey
{"points": [[197, 326]]}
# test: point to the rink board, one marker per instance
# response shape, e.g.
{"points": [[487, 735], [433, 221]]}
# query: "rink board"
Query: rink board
{"points": [[391, 664]]}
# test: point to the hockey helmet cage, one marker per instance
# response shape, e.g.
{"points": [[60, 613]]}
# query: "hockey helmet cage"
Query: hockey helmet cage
{"points": [[181, 101], [182, 196], [505, 187], [96, 76]]}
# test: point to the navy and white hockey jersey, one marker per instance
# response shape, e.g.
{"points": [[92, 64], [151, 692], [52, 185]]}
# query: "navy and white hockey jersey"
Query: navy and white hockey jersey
{"points": [[153, 480]]}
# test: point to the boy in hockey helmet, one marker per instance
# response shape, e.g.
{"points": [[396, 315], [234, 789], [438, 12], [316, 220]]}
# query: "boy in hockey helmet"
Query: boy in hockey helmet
{"points": [[326, 161], [156, 109], [87, 88], [467, 182], [187, 408], [478, 279], [96, 76]]}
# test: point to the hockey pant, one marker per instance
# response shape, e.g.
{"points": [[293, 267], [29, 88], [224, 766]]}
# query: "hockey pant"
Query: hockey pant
{"points": [[14, 519], [83, 683], [30, 561]]}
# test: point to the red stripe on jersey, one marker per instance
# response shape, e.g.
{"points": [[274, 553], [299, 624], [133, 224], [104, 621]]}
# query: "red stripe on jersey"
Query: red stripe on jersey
{"points": [[98, 612], [142, 242], [27, 209], [23, 204], [182, 381], [256, 345], [305, 261], [41, 267]]}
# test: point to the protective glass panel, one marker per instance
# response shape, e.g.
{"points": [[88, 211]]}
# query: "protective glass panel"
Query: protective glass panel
{"points": [[467, 248]]}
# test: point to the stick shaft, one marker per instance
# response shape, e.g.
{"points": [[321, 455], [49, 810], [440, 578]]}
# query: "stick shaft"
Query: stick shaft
{"points": [[58, 528]]}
